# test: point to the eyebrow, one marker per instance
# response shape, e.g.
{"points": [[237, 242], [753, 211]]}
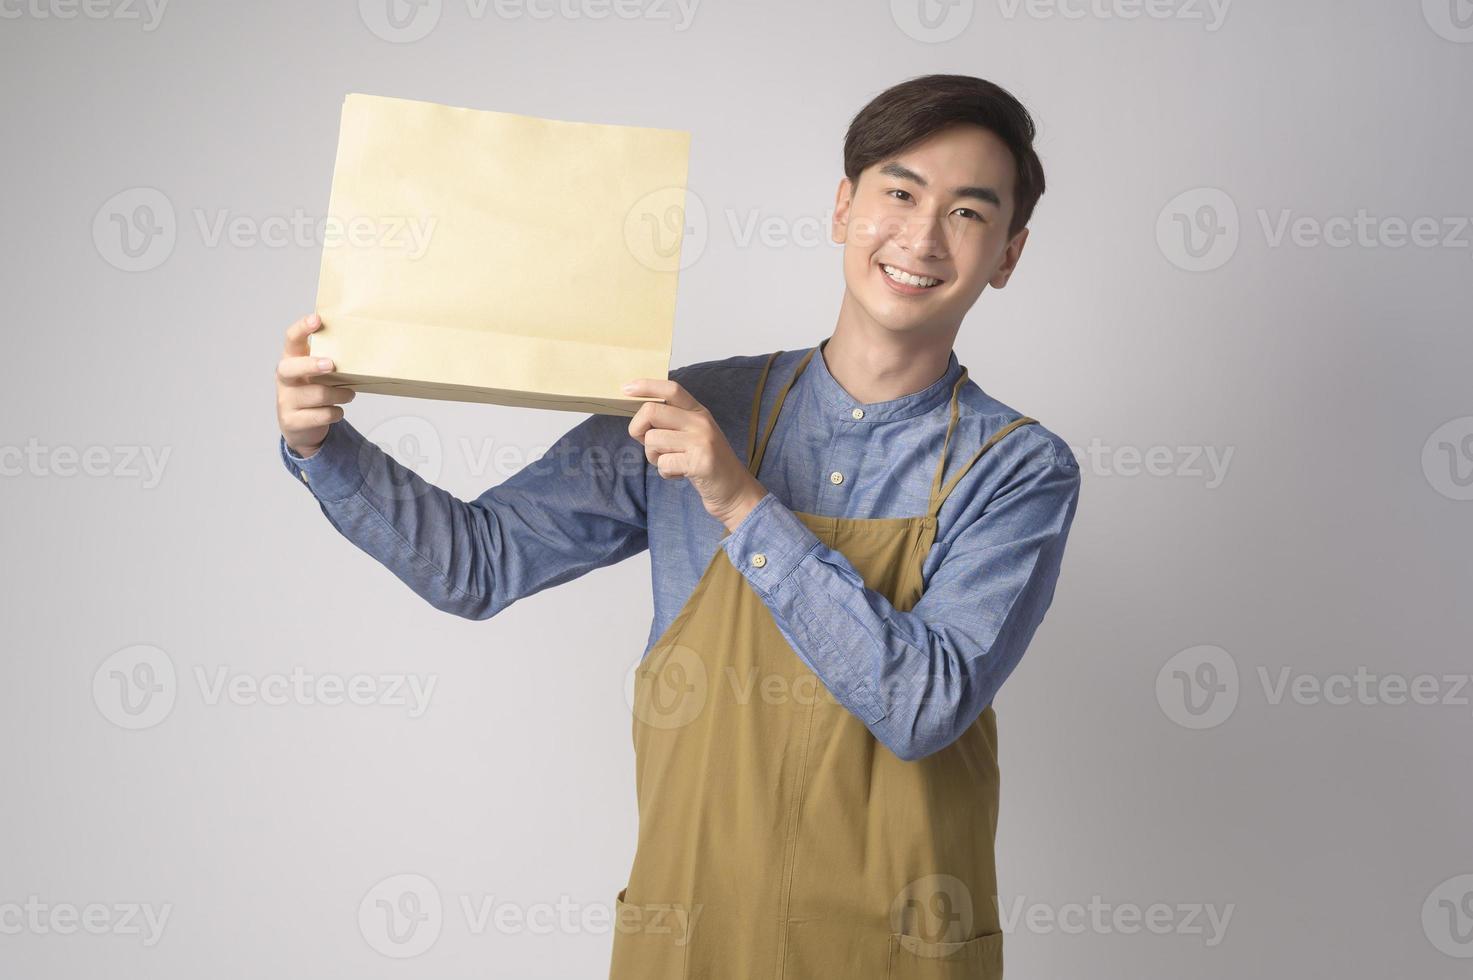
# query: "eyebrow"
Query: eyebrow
{"points": [[905, 173]]}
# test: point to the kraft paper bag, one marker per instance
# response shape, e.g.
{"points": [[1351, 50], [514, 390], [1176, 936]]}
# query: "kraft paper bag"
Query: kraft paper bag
{"points": [[491, 257]]}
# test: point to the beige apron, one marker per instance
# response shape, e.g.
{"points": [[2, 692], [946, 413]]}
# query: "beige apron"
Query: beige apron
{"points": [[778, 839]]}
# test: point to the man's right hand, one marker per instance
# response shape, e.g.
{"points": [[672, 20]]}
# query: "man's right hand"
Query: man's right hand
{"points": [[304, 408]]}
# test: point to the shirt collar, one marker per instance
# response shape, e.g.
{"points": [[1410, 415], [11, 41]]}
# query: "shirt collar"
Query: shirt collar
{"points": [[840, 405]]}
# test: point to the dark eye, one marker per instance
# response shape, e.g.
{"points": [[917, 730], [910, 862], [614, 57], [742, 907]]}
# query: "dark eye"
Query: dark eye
{"points": [[969, 211], [896, 190]]}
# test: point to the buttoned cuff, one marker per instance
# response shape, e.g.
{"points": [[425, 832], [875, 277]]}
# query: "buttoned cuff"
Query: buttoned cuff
{"points": [[336, 470], [768, 544]]}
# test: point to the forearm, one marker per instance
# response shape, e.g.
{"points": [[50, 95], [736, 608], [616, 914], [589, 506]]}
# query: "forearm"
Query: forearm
{"points": [[432, 541], [578, 507], [917, 679]]}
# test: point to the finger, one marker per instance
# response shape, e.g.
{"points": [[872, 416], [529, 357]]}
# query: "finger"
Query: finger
{"points": [[639, 424], [670, 466], [296, 335], [307, 418], [658, 442], [298, 369], [671, 391], [313, 396], [654, 415]]}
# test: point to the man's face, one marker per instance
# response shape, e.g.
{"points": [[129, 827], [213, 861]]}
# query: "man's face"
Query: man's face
{"points": [[939, 209]]}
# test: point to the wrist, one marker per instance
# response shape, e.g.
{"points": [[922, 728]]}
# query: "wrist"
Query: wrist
{"points": [[746, 503], [303, 452]]}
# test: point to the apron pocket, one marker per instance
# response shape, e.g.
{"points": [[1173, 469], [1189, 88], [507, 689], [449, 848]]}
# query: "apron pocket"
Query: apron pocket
{"points": [[649, 941], [979, 958]]}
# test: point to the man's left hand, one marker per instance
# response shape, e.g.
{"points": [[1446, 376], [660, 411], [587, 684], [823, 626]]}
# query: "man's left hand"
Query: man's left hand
{"points": [[682, 440]]}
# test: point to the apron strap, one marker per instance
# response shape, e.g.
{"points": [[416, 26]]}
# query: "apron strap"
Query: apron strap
{"points": [[756, 451], [938, 494], [755, 458], [757, 406]]}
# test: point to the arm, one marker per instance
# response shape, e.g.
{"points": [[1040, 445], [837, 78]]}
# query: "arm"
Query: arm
{"points": [[918, 679], [579, 507]]}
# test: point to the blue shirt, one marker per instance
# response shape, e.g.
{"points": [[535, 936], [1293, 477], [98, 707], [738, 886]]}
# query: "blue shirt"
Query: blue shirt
{"points": [[594, 500]]}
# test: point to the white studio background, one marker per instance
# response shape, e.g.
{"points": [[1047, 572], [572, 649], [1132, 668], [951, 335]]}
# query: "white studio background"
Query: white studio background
{"points": [[1244, 303]]}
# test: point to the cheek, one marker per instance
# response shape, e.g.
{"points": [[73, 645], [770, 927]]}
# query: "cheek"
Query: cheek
{"points": [[856, 265], [979, 252], [872, 227], [857, 255]]}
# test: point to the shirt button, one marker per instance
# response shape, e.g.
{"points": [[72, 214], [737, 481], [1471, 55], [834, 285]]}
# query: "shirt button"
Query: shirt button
{"points": [[858, 413], [759, 559], [836, 477]]}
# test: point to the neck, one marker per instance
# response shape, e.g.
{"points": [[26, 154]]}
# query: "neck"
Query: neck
{"points": [[877, 365]]}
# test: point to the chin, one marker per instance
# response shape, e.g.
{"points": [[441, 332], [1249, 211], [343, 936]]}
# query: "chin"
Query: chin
{"points": [[899, 322]]}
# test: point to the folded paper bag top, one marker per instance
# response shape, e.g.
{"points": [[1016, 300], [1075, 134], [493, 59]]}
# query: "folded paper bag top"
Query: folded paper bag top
{"points": [[492, 257]]}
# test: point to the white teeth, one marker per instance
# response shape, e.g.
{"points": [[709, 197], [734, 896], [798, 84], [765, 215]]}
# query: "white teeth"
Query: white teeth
{"points": [[907, 278]]}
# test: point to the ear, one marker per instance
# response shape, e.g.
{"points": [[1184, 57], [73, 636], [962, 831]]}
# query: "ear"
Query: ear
{"points": [[1011, 255], [839, 229]]}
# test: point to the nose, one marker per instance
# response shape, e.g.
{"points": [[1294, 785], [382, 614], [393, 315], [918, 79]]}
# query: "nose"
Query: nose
{"points": [[921, 235]]}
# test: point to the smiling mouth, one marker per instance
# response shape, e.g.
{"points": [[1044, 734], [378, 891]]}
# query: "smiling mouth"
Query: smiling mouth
{"points": [[904, 278]]}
